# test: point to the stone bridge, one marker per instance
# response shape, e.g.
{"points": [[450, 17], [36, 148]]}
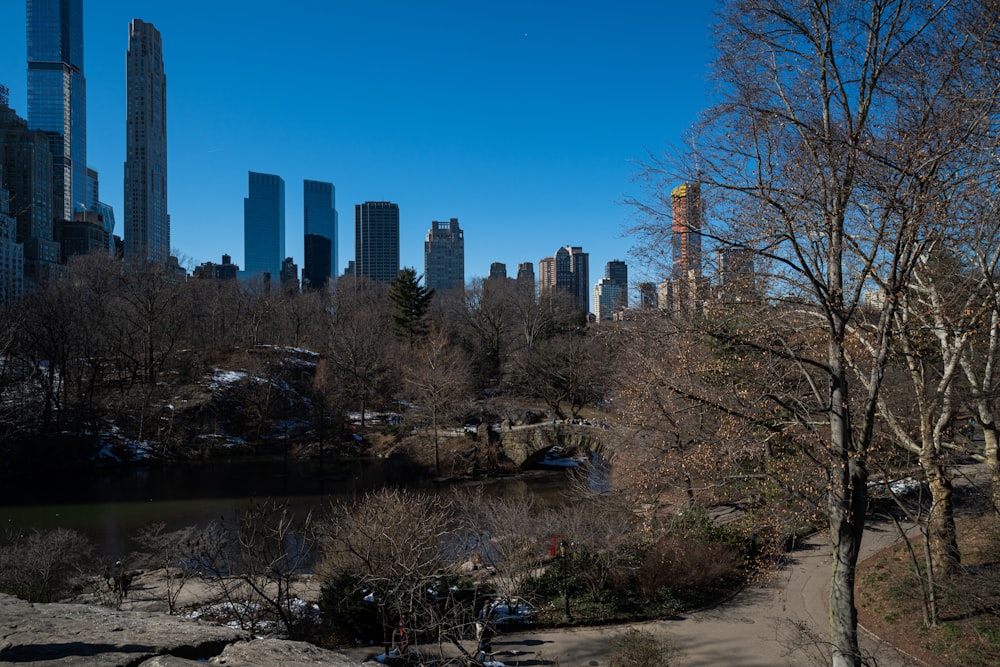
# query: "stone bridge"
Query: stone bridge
{"points": [[527, 444]]}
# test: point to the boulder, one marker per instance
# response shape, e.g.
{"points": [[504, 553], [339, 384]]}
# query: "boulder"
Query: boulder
{"points": [[81, 634], [273, 652]]}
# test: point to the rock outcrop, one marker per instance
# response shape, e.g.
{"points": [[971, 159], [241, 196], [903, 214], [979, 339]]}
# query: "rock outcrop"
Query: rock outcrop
{"points": [[79, 634]]}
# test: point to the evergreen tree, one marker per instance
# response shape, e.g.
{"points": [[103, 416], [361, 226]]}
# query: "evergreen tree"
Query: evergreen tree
{"points": [[412, 301]]}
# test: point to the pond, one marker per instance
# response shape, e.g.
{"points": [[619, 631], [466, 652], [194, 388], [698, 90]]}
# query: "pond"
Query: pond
{"points": [[111, 505]]}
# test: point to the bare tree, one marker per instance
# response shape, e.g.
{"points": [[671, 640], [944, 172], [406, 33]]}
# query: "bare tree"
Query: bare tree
{"points": [[437, 380], [254, 560], [359, 345], [823, 159], [165, 551], [568, 372], [393, 545]]}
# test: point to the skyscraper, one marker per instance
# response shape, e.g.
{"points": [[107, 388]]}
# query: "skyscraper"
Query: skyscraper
{"points": [[264, 225], [147, 225], [444, 256], [526, 277], [607, 294], [27, 176], [685, 201], [617, 272], [11, 252], [320, 222], [376, 240], [568, 271], [57, 95]]}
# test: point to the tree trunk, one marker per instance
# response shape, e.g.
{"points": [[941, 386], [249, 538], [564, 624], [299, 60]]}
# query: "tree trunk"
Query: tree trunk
{"points": [[991, 451], [847, 504], [941, 533]]}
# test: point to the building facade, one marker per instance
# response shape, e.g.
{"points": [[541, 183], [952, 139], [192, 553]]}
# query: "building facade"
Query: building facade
{"points": [[82, 235], [147, 224], [376, 240], [607, 296], [685, 201], [11, 253], [317, 264], [444, 256], [648, 297], [264, 225], [526, 277], [319, 221], [688, 288], [27, 174], [57, 96], [567, 271], [289, 275], [211, 271], [617, 272]]}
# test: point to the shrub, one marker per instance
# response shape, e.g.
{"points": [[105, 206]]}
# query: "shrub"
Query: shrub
{"points": [[44, 566], [690, 569], [638, 648]]}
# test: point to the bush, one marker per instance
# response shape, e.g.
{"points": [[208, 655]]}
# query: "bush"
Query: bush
{"points": [[690, 570], [44, 566], [638, 648]]}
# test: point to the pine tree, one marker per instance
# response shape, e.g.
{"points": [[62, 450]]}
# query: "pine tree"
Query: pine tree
{"points": [[412, 301]]}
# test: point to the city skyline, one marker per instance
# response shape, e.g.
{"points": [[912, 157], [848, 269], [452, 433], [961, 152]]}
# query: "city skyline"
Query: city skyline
{"points": [[521, 85]]}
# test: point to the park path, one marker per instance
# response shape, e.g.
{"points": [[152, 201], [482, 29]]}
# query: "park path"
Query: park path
{"points": [[759, 627]]}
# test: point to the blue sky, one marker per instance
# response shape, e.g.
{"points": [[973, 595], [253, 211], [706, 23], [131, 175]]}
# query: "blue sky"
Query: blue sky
{"points": [[521, 119]]}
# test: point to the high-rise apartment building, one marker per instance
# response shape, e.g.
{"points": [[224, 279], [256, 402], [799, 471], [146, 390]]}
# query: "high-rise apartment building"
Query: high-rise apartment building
{"points": [[498, 271], [647, 295], [526, 277], [27, 175], [567, 271], [147, 224], [444, 256], [264, 225], [376, 240], [11, 252], [289, 275], [319, 222], [685, 202], [617, 272], [57, 96], [607, 296]]}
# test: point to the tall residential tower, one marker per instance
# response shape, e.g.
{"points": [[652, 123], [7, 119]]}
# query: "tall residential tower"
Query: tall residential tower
{"points": [[567, 271], [147, 225], [685, 201], [376, 240], [444, 256]]}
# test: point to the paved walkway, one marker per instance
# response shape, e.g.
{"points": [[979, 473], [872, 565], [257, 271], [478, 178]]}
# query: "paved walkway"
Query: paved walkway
{"points": [[760, 627], [782, 623]]}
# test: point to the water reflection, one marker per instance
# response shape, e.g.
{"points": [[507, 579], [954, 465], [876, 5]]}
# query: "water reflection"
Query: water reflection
{"points": [[112, 505]]}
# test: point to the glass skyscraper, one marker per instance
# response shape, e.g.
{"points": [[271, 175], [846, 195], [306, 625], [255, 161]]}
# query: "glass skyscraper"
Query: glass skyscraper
{"points": [[57, 95], [147, 225], [264, 225], [376, 240], [320, 220]]}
